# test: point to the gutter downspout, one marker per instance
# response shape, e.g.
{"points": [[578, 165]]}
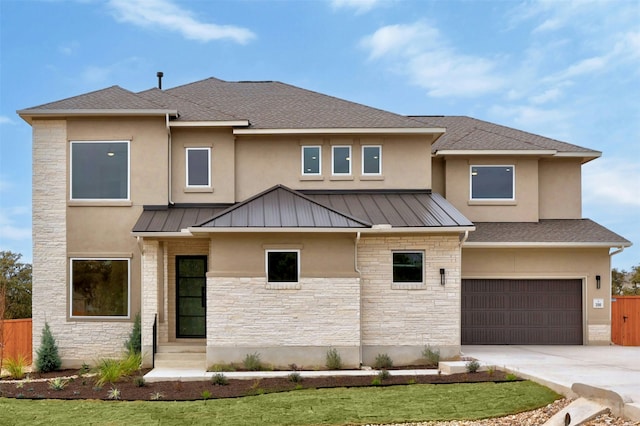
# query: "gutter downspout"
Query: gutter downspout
{"points": [[464, 238], [355, 267], [170, 176]]}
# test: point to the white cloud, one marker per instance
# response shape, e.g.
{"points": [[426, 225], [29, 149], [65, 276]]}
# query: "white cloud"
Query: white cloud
{"points": [[420, 52], [547, 96], [612, 182], [6, 120], [69, 48], [167, 15], [360, 6], [9, 229]]}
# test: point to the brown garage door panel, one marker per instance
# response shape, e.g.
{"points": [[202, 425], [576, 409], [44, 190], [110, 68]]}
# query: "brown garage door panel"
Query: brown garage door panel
{"points": [[521, 312]]}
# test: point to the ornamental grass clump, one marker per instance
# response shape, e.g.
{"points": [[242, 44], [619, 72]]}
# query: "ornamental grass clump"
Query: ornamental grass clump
{"points": [[383, 361], [333, 361], [48, 358], [16, 366], [252, 362]]}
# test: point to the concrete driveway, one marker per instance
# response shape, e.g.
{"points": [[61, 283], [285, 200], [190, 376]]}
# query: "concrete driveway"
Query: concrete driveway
{"points": [[610, 373]]}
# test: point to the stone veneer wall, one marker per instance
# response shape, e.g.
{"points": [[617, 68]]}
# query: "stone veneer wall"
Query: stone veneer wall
{"points": [[401, 319], [78, 340], [284, 325], [150, 282], [599, 334]]}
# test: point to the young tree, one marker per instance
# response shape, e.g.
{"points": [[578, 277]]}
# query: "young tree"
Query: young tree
{"points": [[618, 278], [15, 279], [48, 358]]}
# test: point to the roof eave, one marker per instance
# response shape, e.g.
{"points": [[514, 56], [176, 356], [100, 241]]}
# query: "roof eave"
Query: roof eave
{"points": [[456, 152], [372, 230], [522, 244], [345, 131], [162, 234], [221, 123], [28, 115]]}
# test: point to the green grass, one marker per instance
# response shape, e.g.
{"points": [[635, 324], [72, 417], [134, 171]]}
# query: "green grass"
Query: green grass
{"points": [[303, 407]]}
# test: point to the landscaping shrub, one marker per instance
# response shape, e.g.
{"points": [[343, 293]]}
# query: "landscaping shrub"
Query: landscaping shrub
{"points": [[252, 362], [432, 356], [47, 354], [333, 361], [16, 366], [383, 361], [472, 366], [134, 342]]}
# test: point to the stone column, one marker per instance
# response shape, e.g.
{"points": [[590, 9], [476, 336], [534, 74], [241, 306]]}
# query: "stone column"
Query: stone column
{"points": [[149, 308]]}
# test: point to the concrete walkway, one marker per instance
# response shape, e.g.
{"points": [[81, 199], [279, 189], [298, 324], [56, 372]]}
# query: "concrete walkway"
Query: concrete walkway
{"points": [[610, 374]]}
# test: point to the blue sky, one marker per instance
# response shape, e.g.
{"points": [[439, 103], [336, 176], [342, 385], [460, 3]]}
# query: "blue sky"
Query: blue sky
{"points": [[569, 70]]}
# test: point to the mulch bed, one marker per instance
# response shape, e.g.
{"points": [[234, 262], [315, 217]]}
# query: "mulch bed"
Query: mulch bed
{"points": [[83, 387]]}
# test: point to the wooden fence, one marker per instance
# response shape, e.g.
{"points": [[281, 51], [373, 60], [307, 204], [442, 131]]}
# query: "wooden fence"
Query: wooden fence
{"points": [[17, 339], [625, 320]]}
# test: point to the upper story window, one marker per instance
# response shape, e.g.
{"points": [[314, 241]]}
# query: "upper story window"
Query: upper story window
{"points": [[283, 266], [408, 266], [99, 170], [198, 167], [311, 160], [371, 160], [99, 287], [493, 182], [341, 160]]}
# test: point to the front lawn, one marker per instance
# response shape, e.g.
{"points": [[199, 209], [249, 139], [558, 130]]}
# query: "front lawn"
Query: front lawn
{"points": [[337, 406]]}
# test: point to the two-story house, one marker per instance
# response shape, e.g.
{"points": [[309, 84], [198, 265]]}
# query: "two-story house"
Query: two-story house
{"points": [[243, 217]]}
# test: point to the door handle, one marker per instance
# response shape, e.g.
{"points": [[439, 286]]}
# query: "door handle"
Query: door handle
{"points": [[203, 296], [624, 318]]}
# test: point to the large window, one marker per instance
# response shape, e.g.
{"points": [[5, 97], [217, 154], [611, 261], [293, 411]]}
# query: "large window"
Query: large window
{"points": [[341, 160], [100, 170], [283, 266], [408, 267], [100, 287], [311, 160], [198, 167], [371, 160], [492, 182]]}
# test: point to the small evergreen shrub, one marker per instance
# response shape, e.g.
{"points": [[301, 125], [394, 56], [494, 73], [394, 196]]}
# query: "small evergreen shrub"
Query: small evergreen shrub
{"points": [[432, 356], [333, 361], [47, 354], [472, 366], [252, 362], [220, 379], [295, 377], [134, 342], [383, 361], [140, 382], [384, 374]]}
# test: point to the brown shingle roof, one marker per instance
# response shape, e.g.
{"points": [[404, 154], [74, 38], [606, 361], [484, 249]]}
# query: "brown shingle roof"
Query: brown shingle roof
{"points": [[572, 231], [188, 110], [466, 133], [275, 105], [111, 98]]}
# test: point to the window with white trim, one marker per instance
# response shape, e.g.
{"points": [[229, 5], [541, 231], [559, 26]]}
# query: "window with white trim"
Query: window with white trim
{"points": [[492, 182], [198, 167], [408, 267], [100, 287], [341, 159], [311, 160], [99, 170], [283, 266], [371, 160]]}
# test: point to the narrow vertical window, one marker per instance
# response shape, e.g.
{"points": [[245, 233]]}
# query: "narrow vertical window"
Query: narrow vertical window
{"points": [[198, 167], [341, 160], [371, 160], [311, 160]]}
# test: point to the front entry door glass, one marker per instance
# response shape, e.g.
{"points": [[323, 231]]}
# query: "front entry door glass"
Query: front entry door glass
{"points": [[191, 300]]}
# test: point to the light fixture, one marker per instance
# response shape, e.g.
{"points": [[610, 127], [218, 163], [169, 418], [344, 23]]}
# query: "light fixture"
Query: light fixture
{"points": [[441, 276], [598, 282], [111, 153]]}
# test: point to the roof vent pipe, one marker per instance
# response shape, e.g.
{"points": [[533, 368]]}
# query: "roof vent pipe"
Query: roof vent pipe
{"points": [[160, 74]]}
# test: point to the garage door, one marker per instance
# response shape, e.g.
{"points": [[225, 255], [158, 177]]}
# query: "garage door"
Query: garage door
{"points": [[521, 312]]}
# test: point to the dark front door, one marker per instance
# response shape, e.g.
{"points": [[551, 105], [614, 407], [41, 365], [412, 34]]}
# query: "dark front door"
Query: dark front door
{"points": [[191, 296]]}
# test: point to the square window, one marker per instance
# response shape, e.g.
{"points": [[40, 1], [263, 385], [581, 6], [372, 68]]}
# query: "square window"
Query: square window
{"points": [[371, 160], [283, 266], [341, 160], [408, 267], [99, 287], [100, 170], [492, 182], [198, 167], [311, 160]]}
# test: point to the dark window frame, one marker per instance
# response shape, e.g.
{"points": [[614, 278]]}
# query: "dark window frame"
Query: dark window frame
{"points": [[492, 188], [188, 167], [401, 272], [99, 176], [276, 276], [72, 285]]}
